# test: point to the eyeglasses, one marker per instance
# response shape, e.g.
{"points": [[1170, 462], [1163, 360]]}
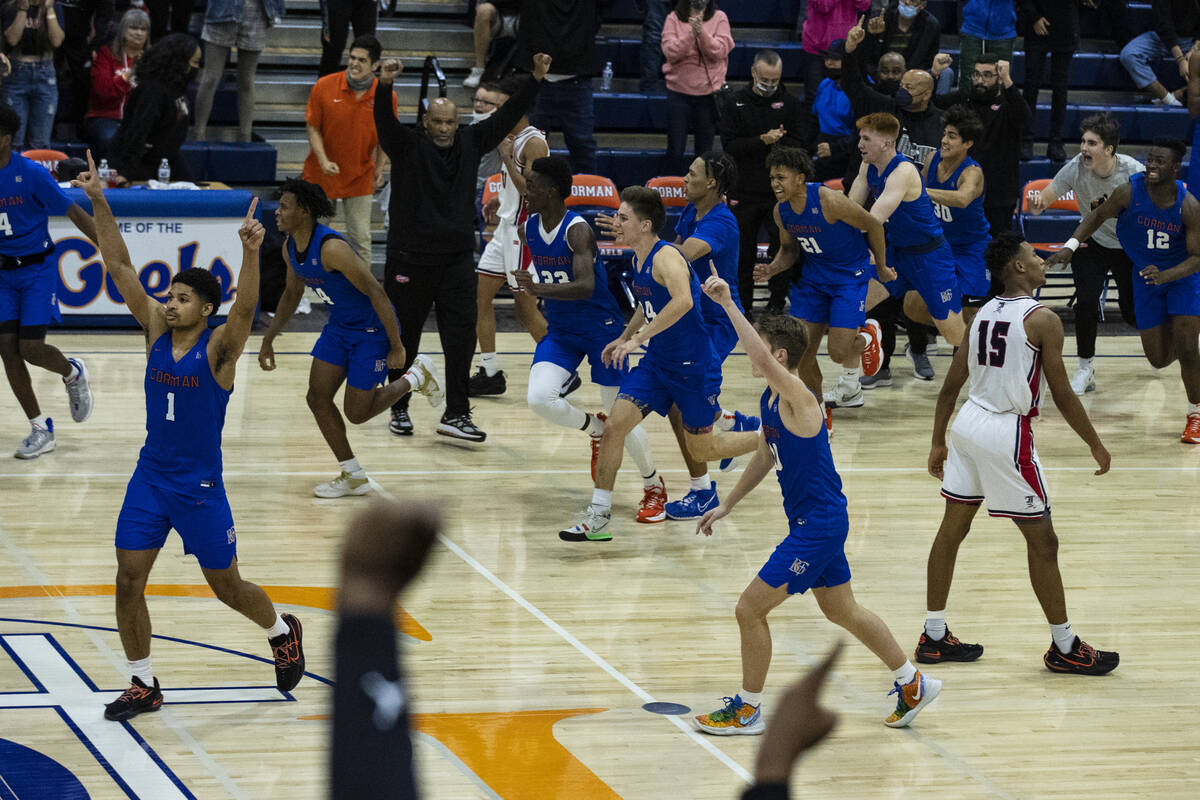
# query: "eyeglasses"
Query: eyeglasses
{"points": [[984, 75]]}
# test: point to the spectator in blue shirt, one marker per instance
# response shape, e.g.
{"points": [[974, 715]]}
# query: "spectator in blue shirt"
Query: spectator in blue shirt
{"points": [[988, 26]]}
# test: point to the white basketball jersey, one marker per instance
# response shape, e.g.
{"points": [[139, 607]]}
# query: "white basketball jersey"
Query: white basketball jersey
{"points": [[1005, 368], [510, 198]]}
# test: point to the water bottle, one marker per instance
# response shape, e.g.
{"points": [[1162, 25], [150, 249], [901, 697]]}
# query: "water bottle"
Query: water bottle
{"points": [[164, 171], [606, 77], [104, 173]]}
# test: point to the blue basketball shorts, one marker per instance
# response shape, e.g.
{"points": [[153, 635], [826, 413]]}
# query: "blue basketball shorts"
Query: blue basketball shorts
{"points": [[838, 305], [810, 556], [363, 354], [1153, 304], [202, 517], [694, 388], [567, 349], [723, 337], [974, 282], [931, 275], [30, 294]]}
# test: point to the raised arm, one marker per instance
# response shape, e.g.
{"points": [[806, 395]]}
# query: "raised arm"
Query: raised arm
{"points": [[1117, 202], [970, 186], [489, 133], [83, 221], [393, 137], [229, 340], [115, 255]]}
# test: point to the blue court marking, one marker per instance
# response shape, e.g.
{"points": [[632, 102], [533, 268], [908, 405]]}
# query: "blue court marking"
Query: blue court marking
{"points": [[28, 774], [161, 764], [91, 748], [40, 689], [313, 675], [70, 661], [669, 709]]}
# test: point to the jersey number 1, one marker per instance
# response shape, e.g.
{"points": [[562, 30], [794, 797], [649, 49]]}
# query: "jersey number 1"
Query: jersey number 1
{"points": [[994, 355], [170, 406]]}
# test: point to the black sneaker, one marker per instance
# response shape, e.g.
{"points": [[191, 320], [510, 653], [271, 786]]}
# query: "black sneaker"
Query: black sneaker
{"points": [[400, 424], [948, 648], [481, 383], [137, 699], [1026, 150], [573, 383], [289, 655], [461, 427], [1056, 152], [1082, 660]]}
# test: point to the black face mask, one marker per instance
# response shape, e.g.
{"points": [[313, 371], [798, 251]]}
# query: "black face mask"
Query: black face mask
{"points": [[903, 98], [191, 73], [887, 87], [833, 74]]}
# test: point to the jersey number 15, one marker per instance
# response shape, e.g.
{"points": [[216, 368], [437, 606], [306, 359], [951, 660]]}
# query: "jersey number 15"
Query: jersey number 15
{"points": [[992, 354]]}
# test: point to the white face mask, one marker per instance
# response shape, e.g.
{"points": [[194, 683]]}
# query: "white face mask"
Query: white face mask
{"points": [[765, 90], [477, 116], [907, 11]]}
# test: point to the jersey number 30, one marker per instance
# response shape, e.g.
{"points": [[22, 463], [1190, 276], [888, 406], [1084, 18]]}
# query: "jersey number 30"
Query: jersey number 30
{"points": [[993, 355]]}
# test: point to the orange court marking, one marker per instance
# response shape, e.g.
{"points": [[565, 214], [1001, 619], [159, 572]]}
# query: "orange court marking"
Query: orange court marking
{"points": [[310, 596]]}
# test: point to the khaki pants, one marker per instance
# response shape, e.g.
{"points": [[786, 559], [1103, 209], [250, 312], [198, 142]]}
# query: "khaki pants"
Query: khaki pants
{"points": [[355, 213]]}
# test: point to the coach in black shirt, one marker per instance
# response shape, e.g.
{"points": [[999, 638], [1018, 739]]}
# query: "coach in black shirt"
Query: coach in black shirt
{"points": [[431, 232]]}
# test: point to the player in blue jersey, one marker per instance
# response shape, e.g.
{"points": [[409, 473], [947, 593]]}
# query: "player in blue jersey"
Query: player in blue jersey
{"points": [[582, 317], [177, 483], [917, 248], [677, 369], [29, 286], [831, 294], [359, 343], [1158, 225], [954, 182], [795, 444]]}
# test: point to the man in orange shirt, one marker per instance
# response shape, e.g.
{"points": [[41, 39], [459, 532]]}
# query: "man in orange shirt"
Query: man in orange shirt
{"points": [[345, 159]]}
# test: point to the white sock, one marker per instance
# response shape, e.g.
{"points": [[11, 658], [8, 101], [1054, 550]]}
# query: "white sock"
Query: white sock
{"points": [[751, 698], [594, 427], [935, 624], [490, 363], [1085, 363], [602, 500], [637, 444], [351, 466], [905, 674], [1064, 637], [39, 422], [850, 376], [701, 484], [650, 481], [279, 628], [73, 374], [1193, 408], [142, 670], [725, 421]]}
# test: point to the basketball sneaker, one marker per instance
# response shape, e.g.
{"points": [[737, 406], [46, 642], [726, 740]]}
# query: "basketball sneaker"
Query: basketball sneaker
{"points": [[592, 527], [1083, 381], [1191, 432], [400, 423], [1082, 660], [948, 648], [481, 383], [881, 378], [922, 369], [79, 392], [423, 378], [735, 718], [913, 696], [40, 440], [872, 354], [137, 699], [344, 484], [654, 502], [694, 504], [289, 655], [460, 427], [595, 440], [741, 422], [844, 395]]}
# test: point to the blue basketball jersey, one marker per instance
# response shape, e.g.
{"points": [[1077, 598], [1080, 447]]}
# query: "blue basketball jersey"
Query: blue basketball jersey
{"points": [[185, 412], [348, 307], [1151, 235], [810, 484], [833, 251], [961, 226], [552, 261], [913, 223], [719, 229], [686, 341], [28, 196]]}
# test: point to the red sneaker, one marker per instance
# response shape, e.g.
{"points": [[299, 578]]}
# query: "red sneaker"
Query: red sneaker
{"points": [[600, 415], [872, 354], [1191, 433], [653, 507]]}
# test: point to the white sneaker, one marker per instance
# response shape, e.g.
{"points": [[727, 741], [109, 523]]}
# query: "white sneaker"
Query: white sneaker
{"points": [[1169, 99], [344, 484], [422, 376], [1084, 381], [592, 527], [845, 396], [472, 80], [79, 392], [305, 306], [39, 440]]}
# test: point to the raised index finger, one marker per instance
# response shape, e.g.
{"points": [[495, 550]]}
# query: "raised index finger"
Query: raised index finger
{"points": [[713, 266], [250, 212]]}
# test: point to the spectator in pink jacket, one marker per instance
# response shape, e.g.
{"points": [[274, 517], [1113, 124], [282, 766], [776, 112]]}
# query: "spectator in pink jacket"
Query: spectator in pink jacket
{"points": [[696, 42], [827, 20]]}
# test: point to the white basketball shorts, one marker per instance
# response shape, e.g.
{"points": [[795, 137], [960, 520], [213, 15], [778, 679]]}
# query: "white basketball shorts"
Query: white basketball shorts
{"points": [[993, 461]]}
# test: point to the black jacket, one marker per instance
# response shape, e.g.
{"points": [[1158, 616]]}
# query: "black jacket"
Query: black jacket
{"points": [[563, 29], [1176, 18], [999, 149], [154, 127], [1063, 36], [923, 44], [746, 117], [432, 211]]}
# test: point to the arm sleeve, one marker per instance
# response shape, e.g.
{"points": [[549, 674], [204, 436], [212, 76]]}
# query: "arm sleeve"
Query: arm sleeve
{"points": [[927, 44], [314, 108], [719, 45], [393, 137], [736, 145], [863, 99], [1016, 110], [1064, 180], [492, 130], [675, 44], [106, 86]]}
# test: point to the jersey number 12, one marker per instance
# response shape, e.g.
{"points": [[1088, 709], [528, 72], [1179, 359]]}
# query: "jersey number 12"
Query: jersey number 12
{"points": [[1158, 240]]}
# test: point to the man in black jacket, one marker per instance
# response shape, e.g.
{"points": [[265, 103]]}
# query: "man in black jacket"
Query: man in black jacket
{"points": [[431, 232], [756, 118], [1005, 115], [905, 28]]}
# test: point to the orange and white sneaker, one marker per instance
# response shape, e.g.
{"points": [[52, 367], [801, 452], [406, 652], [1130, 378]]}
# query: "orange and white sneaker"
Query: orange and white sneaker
{"points": [[600, 415], [1191, 433], [653, 507], [914, 696], [736, 717], [872, 354]]}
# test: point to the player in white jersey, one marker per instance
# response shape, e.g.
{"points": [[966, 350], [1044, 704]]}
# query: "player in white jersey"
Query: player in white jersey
{"points": [[1013, 343], [504, 253]]}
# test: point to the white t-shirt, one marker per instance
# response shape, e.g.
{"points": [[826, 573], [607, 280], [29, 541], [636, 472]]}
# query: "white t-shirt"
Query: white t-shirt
{"points": [[1091, 190]]}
